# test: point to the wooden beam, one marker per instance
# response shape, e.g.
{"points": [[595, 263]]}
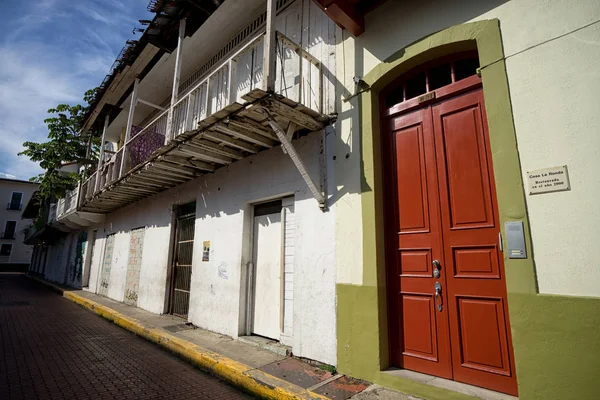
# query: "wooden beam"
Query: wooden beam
{"points": [[121, 190], [248, 136], [103, 204], [136, 181], [201, 165], [94, 217], [204, 154], [120, 197], [287, 112], [113, 200], [135, 191], [176, 75], [143, 185], [270, 48], [158, 180], [180, 172], [147, 174], [289, 134], [102, 145], [129, 124], [245, 123], [220, 149], [238, 144], [345, 15], [148, 103], [291, 151], [126, 185]]}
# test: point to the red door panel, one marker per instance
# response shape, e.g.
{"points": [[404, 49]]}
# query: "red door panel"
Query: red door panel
{"points": [[441, 204], [482, 329], [420, 341], [419, 333], [465, 167], [475, 282], [476, 262], [413, 207]]}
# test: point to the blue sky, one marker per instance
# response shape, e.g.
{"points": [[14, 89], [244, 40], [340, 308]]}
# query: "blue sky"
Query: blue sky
{"points": [[51, 52]]}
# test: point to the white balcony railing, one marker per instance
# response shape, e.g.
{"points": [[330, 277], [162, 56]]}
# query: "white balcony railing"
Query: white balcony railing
{"points": [[67, 204], [299, 77], [52, 212]]}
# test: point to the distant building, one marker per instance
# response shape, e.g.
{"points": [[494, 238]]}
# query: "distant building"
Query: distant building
{"points": [[14, 194]]}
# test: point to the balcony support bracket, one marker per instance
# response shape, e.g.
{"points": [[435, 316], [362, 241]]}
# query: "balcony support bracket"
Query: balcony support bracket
{"points": [[319, 194], [148, 103]]}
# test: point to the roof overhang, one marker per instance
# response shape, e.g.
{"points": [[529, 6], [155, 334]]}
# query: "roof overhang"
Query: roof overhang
{"points": [[349, 14], [139, 56]]}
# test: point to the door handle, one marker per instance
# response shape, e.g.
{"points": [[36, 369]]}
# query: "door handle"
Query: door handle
{"points": [[436, 268], [438, 295]]}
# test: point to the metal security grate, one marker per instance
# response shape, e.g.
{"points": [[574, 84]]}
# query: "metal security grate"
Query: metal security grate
{"points": [[182, 269]]}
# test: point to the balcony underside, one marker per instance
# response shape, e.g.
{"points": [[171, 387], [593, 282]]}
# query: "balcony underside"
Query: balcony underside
{"points": [[235, 132]]}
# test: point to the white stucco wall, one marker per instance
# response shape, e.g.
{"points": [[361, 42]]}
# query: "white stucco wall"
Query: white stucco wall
{"points": [[20, 252], [223, 201], [552, 63]]}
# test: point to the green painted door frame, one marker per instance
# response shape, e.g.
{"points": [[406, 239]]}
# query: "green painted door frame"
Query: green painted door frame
{"points": [[555, 338]]}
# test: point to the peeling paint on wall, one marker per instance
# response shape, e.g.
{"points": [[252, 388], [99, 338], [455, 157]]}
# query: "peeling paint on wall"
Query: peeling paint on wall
{"points": [[134, 266], [106, 265]]}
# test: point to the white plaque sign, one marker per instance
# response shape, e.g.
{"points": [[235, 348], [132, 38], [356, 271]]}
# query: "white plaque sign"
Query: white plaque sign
{"points": [[547, 180]]}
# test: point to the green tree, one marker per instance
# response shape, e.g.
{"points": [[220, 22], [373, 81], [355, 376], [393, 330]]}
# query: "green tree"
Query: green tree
{"points": [[67, 143]]}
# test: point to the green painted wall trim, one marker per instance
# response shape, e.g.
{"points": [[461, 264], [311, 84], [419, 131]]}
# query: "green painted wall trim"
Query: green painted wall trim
{"points": [[550, 333], [556, 340]]}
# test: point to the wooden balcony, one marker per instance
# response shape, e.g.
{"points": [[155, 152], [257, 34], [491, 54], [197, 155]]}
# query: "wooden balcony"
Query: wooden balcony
{"points": [[225, 117]]}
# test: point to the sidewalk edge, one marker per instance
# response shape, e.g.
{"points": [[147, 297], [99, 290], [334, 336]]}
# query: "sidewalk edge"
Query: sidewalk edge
{"points": [[243, 376]]}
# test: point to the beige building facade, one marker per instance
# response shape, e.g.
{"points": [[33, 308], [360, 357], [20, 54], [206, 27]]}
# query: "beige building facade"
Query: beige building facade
{"points": [[15, 195]]}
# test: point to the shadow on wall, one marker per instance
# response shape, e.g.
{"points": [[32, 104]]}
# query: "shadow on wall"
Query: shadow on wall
{"points": [[406, 23]]}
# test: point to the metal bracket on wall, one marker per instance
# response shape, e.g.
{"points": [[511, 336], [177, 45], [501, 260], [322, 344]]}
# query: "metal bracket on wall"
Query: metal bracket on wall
{"points": [[319, 195], [360, 87]]}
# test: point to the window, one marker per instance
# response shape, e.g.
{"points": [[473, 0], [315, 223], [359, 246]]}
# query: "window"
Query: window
{"points": [[15, 201], [9, 230], [427, 78], [5, 250]]}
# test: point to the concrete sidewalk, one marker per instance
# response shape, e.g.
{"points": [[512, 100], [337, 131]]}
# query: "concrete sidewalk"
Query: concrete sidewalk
{"points": [[243, 363]]}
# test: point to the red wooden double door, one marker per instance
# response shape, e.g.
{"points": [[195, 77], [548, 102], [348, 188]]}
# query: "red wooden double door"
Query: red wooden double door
{"points": [[447, 291]]}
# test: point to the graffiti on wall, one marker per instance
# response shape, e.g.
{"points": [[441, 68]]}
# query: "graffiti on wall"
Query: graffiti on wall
{"points": [[134, 266], [106, 265], [75, 267]]}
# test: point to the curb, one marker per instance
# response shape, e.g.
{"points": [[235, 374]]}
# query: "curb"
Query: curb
{"points": [[240, 375]]}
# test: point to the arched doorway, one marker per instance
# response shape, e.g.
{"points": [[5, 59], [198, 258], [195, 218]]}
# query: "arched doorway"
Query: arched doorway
{"points": [[447, 300]]}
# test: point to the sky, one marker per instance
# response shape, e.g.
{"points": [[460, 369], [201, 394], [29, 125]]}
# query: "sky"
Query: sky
{"points": [[51, 52]]}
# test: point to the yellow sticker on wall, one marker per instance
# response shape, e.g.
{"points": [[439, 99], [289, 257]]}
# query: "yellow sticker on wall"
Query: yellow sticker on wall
{"points": [[205, 250]]}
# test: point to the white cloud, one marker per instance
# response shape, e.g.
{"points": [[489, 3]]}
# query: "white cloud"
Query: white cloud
{"points": [[50, 54], [7, 176]]}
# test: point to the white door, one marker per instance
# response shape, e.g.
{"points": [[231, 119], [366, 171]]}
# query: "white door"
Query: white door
{"points": [[267, 270]]}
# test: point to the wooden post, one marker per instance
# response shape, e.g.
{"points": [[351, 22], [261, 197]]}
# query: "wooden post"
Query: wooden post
{"points": [[270, 50], [176, 75], [129, 123], [291, 151], [189, 113], [230, 89], [101, 159]]}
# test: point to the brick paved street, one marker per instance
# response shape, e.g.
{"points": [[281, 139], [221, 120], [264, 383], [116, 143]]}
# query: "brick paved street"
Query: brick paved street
{"points": [[51, 348]]}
